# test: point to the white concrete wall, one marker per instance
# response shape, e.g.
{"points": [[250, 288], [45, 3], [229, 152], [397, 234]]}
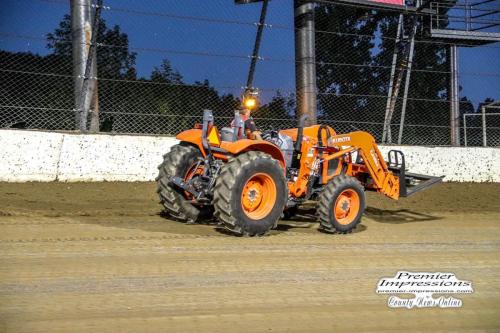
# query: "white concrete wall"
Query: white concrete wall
{"points": [[29, 156], [459, 164], [111, 157], [46, 156]]}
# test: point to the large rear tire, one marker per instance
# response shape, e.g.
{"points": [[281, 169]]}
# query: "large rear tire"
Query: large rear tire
{"points": [[341, 204], [250, 194], [179, 162]]}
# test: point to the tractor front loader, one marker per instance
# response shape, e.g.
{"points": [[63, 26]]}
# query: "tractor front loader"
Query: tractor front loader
{"points": [[249, 184]]}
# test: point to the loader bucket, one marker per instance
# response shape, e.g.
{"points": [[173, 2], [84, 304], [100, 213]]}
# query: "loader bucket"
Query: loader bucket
{"points": [[409, 183]]}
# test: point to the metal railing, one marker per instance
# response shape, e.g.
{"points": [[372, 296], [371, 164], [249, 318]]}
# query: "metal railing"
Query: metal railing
{"points": [[490, 134], [468, 15]]}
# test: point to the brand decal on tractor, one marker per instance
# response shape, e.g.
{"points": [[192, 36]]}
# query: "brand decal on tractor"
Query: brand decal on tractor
{"points": [[340, 139]]}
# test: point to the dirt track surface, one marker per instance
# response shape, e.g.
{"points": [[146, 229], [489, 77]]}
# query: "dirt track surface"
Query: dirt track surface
{"points": [[99, 258]]}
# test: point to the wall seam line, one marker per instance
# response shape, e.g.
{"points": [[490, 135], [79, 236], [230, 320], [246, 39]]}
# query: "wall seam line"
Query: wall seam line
{"points": [[59, 158]]}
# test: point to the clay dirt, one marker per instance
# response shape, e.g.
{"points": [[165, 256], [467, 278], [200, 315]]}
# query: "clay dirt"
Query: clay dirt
{"points": [[99, 257]]}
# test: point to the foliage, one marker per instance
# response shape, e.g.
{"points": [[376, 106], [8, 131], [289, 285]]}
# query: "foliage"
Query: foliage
{"points": [[355, 54]]}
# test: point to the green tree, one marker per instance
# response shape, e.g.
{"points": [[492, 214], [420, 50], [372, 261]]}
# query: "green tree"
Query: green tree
{"points": [[33, 86], [37, 90], [344, 45], [59, 41], [354, 56], [114, 59], [277, 113], [166, 74]]}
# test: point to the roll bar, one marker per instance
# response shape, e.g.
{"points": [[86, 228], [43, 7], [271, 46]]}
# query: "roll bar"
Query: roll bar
{"points": [[239, 126], [208, 121], [300, 132], [320, 137]]}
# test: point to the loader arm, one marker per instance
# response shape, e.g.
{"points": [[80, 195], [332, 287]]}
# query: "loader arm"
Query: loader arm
{"points": [[384, 181]]}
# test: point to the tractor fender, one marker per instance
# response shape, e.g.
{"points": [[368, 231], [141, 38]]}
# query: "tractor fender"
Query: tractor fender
{"points": [[246, 145], [310, 132], [192, 136]]}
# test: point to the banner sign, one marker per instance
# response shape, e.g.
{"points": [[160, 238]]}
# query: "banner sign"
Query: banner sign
{"points": [[391, 2]]}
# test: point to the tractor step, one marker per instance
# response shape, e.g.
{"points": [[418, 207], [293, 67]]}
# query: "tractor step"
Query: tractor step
{"points": [[409, 183]]}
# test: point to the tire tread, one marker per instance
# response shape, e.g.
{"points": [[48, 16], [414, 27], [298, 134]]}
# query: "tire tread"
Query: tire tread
{"points": [[172, 201], [326, 198], [223, 196]]}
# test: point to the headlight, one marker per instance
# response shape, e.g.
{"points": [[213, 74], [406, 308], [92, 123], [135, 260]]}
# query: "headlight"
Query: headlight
{"points": [[251, 99]]}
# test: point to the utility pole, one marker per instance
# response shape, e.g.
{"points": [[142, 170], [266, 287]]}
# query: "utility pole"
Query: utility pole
{"points": [[305, 56], [454, 98], [305, 60], [256, 48], [84, 70]]}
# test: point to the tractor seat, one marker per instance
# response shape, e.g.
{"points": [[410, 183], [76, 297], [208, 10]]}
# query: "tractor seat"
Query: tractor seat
{"points": [[227, 134], [235, 132]]}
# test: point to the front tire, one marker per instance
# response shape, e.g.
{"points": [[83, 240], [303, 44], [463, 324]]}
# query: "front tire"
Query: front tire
{"points": [[178, 162], [341, 204], [250, 194]]}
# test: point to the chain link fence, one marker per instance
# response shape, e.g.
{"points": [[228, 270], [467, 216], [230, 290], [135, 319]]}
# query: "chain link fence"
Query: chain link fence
{"points": [[160, 63], [483, 128]]}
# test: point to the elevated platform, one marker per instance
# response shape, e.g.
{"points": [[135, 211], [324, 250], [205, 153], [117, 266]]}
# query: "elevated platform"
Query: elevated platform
{"points": [[392, 5], [465, 22], [472, 38]]}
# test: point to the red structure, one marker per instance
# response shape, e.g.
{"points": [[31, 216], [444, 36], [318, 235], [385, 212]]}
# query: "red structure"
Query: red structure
{"points": [[391, 2]]}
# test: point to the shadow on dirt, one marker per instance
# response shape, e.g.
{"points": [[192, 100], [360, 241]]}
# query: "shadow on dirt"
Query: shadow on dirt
{"points": [[285, 225], [305, 215], [359, 228], [298, 227], [282, 227], [399, 216], [304, 222]]}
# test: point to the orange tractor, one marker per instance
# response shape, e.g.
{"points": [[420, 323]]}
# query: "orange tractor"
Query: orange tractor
{"points": [[249, 184]]}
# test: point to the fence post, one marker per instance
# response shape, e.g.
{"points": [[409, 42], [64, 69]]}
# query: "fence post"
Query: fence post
{"points": [[454, 97], [465, 129], [84, 63], [483, 115], [407, 85], [305, 59], [387, 125]]}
